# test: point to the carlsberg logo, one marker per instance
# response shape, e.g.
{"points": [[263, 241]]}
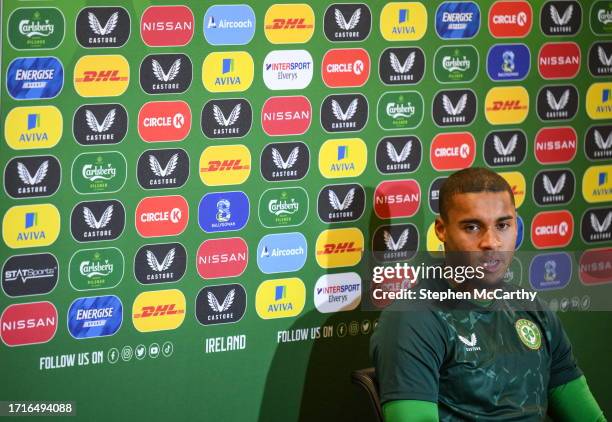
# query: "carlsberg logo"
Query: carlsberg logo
{"points": [[604, 16], [395, 110], [91, 269], [36, 28], [455, 64], [278, 208], [96, 172]]}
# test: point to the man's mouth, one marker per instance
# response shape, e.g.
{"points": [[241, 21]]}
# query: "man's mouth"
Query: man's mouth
{"points": [[491, 265]]}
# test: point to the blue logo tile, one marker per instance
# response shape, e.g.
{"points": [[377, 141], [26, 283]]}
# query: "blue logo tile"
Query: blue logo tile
{"points": [[280, 253], [229, 24], [223, 211], [550, 271], [457, 20], [98, 316], [508, 62], [33, 78]]}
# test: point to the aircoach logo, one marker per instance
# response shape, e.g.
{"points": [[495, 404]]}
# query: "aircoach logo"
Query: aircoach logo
{"points": [[595, 266], [225, 165], [287, 69], [98, 316], [28, 323], [452, 151], [158, 310], [162, 216], [550, 271], [97, 220], [557, 102], [344, 113], [221, 258], [339, 248], [505, 148], [398, 154], [100, 268], [222, 119], [101, 76], [561, 18], [100, 124], [552, 229], [456, 63], [281, 253], [283, 207], [281, 116], [343, 158], [165, 73], [400, 110], [341, 203], [516, 180], [231, 24], [34, 78], [508, 62], [347, 22], [599, 101], [601, 18], [553, 187], [393, 243], [555, 145], [222, 304], [559, 60], [348, 67], [506, 105], [223, 211], [163, 168], [600, 59], [596, 225], [280, 298], [597, 184], [103, 27], [165, 26], [28, 275], [401, 66], [598, 143], [510, 19], [337, 292], [164, 121], [457, 20], [228, 72], [397, 198], [454, 108], [33, 127], [285, 161], [403, 21], [161, 263], [99, 172], [40, 28], [28, 226], [289, 23], [30, 177]]}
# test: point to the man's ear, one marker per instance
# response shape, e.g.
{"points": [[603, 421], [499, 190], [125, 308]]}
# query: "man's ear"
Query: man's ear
{"points": [[440, 229]]}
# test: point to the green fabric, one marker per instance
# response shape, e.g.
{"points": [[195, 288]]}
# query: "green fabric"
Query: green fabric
{"points": [[410, 411], [573, 402]]}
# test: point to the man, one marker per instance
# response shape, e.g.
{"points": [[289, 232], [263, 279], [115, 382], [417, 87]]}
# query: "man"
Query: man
{"points": [[485, 361]]}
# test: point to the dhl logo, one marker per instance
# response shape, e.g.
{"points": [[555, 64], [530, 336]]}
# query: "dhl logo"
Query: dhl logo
{"points": [[518, 184], [343, 247], [339, 247], [159, 310], [101, 76], [507, 105], [217, 169], [289, 23], [217, 165]]}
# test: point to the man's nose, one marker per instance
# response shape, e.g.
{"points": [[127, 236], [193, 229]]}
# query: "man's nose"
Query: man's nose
{"points": [[489, 240]]}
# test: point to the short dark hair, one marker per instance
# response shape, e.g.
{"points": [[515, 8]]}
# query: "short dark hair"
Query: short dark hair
{"points": [[471, 180]]}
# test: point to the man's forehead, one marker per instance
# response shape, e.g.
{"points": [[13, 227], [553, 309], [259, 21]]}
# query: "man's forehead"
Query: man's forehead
{"points": [[481, 205]]}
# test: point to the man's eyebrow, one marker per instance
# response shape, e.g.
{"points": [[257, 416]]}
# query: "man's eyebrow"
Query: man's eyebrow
{"points": [[477, 221]]}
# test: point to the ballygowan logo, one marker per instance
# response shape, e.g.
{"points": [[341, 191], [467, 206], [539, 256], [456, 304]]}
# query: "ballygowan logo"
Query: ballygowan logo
{"points": [[32, 177], [397, 242], [454, 108], [100, 124], [166, 73], [285, 161], [222, 304], [600, 59], [505, 148], [401, 66], [102, 27], [553, 187], [561, 18], [598, 143], [340, 203], [26, 275], [231, 118], [344, 112], [161, 263], [347, 22], [163, 168], [434, 194], [398, 154], [557, 102], [97, 220], [596, 225]]}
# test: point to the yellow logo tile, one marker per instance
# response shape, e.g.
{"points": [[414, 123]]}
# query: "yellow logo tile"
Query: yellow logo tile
{"points": [[289, 23], [403, 21], [30, 226], [33, 127], [343, 158], [228, 72], [158, 310], [225, 165], [339, 248], [280, 298], [101, 76]]}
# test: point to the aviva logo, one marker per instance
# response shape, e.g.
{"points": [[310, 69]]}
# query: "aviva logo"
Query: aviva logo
{"points": [[29, 226], [599, 101], [597, 184], [517, 182], [225, 165], [507, 105], [289, 23], [33, 127], [403, 21], [228, 72], [101, 76], [339, 248], [158, 310], [343, 158], [280, 298]]}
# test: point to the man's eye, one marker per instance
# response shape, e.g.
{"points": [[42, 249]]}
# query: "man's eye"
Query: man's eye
{"points": [[503, 226], [471, 228]]}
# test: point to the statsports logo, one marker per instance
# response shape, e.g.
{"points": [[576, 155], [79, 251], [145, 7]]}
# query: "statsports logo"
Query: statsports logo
{"points": [[225, 165], [158, 310], [289, 23], [101, 76], [339, 248], [228, 72], [33, 127]]}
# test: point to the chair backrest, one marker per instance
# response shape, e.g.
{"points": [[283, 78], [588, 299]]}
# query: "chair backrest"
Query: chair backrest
{"points": [[366, 378]]}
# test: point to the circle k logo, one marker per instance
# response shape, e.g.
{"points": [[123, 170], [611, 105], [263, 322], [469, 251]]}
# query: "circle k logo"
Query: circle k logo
{"points": [[452, 151], [348, 67], [162, 216], [164, 121], [397, 198], [510, 19], [552, 229]]}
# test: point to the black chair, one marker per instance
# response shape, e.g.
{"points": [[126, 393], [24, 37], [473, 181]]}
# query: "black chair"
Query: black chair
{"points": [[366, 378]]}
